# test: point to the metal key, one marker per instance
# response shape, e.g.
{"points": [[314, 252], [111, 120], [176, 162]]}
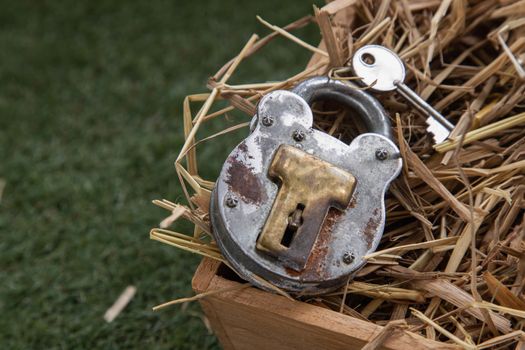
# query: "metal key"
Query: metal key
{"points": [[383, 70]]}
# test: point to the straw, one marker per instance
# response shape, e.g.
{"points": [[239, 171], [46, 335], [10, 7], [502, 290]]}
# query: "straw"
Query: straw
{"points": [[451, 262]]}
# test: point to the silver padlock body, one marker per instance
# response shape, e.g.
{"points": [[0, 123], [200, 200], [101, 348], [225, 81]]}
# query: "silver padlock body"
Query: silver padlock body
{"points": [[355, 231]]}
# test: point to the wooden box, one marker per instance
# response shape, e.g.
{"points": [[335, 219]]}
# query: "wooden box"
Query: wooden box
{"points": [[254, 319]]}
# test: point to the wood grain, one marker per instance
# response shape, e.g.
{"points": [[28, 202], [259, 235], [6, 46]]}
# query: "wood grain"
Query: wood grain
{"points": [[255, 319]]}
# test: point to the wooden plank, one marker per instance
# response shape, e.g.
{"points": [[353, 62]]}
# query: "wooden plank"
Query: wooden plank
{"points": [[200, 283], [204, 274], [255, 319]]}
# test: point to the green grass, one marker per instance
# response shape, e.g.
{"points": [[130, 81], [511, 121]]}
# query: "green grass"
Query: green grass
{"points": [[90, 124]]}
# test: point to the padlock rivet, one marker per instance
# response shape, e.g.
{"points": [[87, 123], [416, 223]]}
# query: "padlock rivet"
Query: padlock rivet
{"points": [[299, 135], [381, 154], [267, 120], [348, 258], [232, 201]]}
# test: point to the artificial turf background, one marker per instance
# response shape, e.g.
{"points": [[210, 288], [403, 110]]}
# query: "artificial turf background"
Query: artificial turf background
{"points": [[90, 124]]}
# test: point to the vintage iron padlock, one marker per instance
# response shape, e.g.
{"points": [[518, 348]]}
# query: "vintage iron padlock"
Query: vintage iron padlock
{"points": [[297, 207]]}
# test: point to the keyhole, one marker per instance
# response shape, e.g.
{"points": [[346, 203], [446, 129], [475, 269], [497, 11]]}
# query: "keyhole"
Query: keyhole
{"points": [[368, 59], [295, 220]]}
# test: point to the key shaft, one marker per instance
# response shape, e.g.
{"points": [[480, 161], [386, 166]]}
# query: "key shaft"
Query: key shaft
{"points": [[422, 105]]}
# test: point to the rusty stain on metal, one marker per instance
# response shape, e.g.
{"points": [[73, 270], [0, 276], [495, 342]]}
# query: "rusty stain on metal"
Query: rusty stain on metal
{"points": [[371, 228], [244, 149], [316, 266], [242, 180], [353, 201]]}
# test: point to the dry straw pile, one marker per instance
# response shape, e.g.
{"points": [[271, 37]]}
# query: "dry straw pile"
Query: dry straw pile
{"points": [[451, 265]]}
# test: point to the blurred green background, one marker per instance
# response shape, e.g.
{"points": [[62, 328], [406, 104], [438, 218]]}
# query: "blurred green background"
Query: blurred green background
{"points": [[90, 125]]}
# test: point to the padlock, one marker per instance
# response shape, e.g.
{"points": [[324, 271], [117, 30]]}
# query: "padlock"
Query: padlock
{"points": [[296, 207]]}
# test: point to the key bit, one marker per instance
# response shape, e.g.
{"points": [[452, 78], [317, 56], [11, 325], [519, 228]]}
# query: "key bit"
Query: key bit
{"points": [[439, 132], [383, 70]]}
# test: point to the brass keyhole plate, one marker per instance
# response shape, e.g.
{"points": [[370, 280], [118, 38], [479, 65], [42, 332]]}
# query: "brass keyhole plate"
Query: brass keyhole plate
{"points": [[308, 183]]}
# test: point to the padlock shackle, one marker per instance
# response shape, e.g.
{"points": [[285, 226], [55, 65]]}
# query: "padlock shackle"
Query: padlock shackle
{"points": [[369, 110]]}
